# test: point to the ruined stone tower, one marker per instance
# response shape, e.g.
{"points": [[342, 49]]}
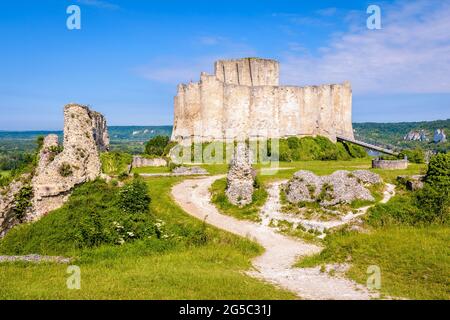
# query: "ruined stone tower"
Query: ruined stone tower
{"points": [[85, 135], [60, 168], [243, 99]]}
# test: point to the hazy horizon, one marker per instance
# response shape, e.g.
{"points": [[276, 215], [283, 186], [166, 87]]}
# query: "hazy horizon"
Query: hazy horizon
{"points": [[129, 56]]}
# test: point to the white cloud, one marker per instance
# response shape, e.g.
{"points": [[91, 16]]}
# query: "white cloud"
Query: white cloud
{"points": [[99, 4], [411, 54]]}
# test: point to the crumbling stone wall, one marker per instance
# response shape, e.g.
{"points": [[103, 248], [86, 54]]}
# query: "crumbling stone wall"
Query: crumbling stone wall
{"points": [[390, 164], [59, 169], [243, 99]]}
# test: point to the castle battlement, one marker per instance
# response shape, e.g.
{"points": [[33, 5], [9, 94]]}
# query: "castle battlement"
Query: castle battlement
{"points": [[243, 99]]}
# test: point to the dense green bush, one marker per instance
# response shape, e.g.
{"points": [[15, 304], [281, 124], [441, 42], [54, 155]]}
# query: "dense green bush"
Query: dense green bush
{"points": [[90, 218], [438, 173], [22, 201], [426, 206], [156, 146], [434, 198], [415, 155], [317, 148]]}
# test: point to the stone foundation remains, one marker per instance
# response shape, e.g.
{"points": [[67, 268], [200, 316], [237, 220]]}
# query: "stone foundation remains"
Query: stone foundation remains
{"points": [[390, 164]]}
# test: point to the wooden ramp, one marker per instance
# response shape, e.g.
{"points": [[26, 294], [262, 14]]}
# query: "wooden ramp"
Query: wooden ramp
{"points": [[367, 145]]}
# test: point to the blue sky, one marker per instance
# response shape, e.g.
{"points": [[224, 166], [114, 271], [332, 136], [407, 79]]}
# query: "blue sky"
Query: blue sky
{"points": [[129, 55]]}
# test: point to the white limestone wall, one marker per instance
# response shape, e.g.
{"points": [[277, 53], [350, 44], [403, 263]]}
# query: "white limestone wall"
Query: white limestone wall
{"points": [[212, 107], [236, 112], [346, 110], [264, 112], [248, 72], [179, 122], [290, 121]]}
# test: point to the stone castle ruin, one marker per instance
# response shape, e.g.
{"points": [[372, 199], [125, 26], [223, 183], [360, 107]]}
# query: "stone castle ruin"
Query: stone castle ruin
{"points": [[60, 168], [85, 135], [243, 99]]}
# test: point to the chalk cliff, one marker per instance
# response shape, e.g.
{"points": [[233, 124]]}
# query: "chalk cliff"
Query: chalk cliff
{"points": [[243, 99]]}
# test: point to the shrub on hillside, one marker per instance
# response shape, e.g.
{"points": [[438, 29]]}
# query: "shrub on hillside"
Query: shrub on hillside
{"points": [[89, 219], [438, 172], [134, 197], [426, 206], [317, 148], [434, 198], [156, 146]]}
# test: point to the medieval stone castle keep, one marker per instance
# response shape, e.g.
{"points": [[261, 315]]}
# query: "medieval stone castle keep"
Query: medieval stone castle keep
{"points": [[243, 99]]}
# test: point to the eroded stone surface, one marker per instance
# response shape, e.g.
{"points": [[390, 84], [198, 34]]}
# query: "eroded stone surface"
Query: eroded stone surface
{"points": [[85, 134], [241, 177], [340, 187], [59, 169]]}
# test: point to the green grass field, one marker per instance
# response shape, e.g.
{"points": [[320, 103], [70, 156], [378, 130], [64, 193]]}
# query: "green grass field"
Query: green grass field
{"points": [[414, 261], [151, 170]]}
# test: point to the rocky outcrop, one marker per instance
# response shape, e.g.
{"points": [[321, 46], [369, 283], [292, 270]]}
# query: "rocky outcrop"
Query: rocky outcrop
{"points": [[85, 135], [340, 187], [416, 136], [241, 177], [439, 136]]}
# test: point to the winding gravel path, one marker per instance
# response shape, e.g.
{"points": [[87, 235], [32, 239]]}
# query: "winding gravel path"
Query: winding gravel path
{"points": [[281, 252]]}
